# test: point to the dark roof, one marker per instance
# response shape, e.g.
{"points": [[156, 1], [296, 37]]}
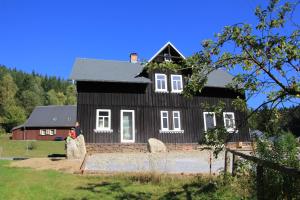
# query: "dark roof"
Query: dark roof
{"points": [[107, 70], [218, 78], [51, 116], [121, 71]]}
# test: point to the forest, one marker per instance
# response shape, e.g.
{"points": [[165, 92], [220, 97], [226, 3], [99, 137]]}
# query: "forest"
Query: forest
{"points": [[21, 92]]}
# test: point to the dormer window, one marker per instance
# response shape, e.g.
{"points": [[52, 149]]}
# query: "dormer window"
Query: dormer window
{"points": [[176, 81], [161, 83]]}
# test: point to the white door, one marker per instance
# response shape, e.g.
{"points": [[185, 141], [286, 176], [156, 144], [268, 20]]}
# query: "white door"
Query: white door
{"points": [[127, 126]]}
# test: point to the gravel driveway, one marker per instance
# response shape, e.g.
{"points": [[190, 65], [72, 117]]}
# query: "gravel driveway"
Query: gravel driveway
{"points": [[171, 162]]}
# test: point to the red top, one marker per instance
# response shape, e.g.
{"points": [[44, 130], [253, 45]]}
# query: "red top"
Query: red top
{"points": [[72, 134]]}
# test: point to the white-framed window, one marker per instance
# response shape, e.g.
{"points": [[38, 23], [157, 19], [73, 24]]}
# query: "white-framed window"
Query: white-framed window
{"points": [[164, 118], [47, 131], [43, 131], [103, 120], [161, 83], [209, 120], [229, 121], [51, 132], [176, 81], [167, 57], [176, 120]]}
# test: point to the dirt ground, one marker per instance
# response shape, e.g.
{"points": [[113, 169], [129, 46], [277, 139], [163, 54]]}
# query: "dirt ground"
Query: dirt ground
{"points": [[64, 165]]}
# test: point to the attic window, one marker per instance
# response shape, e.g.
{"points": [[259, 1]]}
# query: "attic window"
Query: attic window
{"points": [[167, 57], [69, 118]]}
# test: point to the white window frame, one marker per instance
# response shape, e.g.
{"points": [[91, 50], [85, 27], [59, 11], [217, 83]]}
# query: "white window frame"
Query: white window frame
{"points": [[181, 84], [49, 131], [161, 120], [229, 113], [179, 121], [133, 128], [166, 83], [204, 114], [41, 130], [97, 120]]}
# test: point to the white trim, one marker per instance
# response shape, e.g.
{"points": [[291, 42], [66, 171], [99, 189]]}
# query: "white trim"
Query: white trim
{"points": [[49, 131], [181, 84], [41, 130], [97, 120], [133, 126], [103, 131], [168, 43], [161, 120], [204, 113], [166, 83], [229, 113], [179, 121], [171, 131]]}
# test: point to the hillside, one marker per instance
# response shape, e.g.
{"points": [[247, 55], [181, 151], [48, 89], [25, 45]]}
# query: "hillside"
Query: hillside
{"points": [[20, 92]]}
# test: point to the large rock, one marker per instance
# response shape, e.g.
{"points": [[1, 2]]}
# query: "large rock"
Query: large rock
{"points": [[76, 148], [156, 146], [81, 145]]}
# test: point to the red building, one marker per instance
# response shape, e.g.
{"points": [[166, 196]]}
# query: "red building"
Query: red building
{"points": [[47, 123]]}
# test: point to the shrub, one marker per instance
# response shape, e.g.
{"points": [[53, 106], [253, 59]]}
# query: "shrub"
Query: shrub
{"points": [[2, 131], [282, 150], [32, 145]]}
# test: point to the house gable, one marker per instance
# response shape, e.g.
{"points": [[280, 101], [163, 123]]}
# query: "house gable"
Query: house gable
{"points": [[168, 51]]}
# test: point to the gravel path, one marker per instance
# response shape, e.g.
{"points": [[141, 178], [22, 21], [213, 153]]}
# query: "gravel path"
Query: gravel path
{"points": [[171, 162], [69, 166]]}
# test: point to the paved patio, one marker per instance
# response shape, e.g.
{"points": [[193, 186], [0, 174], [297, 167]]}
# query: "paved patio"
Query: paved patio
{"points": [[171, 162]]}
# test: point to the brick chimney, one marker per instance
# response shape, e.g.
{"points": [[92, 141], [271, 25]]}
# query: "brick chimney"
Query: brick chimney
{"points": [[133, 58]]}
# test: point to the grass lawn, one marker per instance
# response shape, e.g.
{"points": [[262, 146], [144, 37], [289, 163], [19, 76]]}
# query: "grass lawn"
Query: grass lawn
{"points": [[25, 183], [18, 148]]}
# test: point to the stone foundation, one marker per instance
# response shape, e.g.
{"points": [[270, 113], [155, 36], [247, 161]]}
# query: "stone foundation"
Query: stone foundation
{"points": [[183, 147], [116, 148], [142, 147], [135, 147]]}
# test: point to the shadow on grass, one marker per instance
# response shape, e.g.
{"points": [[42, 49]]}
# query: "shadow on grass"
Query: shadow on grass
{"points": [[116, 190], [108, 188], [56, 155], [189, 191]]}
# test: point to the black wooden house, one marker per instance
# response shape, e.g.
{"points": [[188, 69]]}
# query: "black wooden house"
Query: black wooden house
{"points": [[116, 105]]}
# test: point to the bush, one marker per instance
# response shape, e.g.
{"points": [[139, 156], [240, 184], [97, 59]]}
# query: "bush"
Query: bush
{"points": [[282, 150], [32, 145], [2, 131]]}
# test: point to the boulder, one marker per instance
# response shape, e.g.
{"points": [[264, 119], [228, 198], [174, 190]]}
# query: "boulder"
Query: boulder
{"points": [[76, 148], [156, 146], [81, 145]]}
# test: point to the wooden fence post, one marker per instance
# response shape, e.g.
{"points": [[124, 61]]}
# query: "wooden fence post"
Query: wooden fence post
{"points": [[225, 162], [234, 159], [260, 182]]}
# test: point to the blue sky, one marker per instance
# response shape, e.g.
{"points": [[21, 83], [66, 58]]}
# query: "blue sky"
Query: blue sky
{"points": [[46, 36]]}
